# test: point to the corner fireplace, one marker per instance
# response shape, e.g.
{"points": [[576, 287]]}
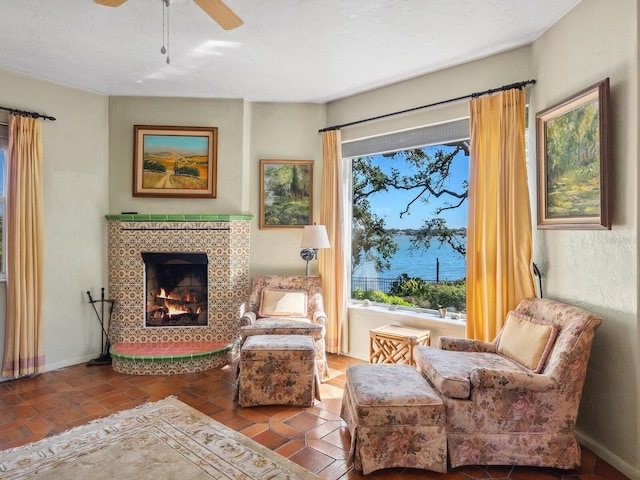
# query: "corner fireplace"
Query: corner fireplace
{"points": [[175, 289], [201, 259]]}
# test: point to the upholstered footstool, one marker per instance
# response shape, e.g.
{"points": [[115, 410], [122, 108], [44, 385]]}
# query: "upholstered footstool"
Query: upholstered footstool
{"points": [[289, 326], [395, 419], [277, 370]]}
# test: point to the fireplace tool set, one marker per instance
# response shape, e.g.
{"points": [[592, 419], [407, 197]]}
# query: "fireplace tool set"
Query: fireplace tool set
{"points": [[105, 356]]}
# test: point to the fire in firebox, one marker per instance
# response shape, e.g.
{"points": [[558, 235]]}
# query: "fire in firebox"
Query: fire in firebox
{"points": [[176, 289]]}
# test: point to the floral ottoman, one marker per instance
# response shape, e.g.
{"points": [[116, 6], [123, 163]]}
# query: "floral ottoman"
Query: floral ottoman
{"points": [[277, 370], [395, 419], [288, 326]]}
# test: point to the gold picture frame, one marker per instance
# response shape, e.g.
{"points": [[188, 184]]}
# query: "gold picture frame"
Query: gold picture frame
{"points": [[286, 193], [178, 162], [573, 161]]}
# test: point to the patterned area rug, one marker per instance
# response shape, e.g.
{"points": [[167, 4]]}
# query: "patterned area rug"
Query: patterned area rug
{"points": [[161, 440]]}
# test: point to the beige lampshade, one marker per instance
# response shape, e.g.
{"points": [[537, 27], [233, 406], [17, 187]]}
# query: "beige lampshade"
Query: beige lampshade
{"points": [[315, 236]]}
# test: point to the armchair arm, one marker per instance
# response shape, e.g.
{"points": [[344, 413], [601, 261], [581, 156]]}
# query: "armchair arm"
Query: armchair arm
{"points": [[320, 317], [247, 318], [522, 381], [465, 345]]}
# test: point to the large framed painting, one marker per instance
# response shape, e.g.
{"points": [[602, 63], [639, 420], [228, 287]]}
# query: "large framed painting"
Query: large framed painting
{"points": [[573, 161], [174, 161], [286, 196]]}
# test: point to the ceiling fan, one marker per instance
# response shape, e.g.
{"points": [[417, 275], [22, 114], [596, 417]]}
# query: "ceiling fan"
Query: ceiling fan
{"points": [[216, 9]]}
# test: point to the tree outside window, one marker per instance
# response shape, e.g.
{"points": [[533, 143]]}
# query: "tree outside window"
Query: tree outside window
{"points": [[408, 228]]}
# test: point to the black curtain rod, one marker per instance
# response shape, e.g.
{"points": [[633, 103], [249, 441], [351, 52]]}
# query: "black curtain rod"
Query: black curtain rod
{"points": [[24, 113], [451, 100]]}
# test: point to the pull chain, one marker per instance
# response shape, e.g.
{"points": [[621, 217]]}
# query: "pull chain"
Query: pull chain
{"points": [[165, 30], [163, 50], [168, 28]]}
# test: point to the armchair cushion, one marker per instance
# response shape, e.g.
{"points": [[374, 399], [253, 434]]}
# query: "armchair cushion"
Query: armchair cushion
{"points": [[283, 326], [526, 341], [451, 371], [283, 303]]}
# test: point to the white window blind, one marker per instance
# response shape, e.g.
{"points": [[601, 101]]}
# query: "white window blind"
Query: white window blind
{"points": [[415, 138]]}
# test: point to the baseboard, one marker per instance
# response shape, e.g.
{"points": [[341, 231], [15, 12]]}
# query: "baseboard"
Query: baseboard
{"points": [[69, 362], [58, 365], [609, 457]]}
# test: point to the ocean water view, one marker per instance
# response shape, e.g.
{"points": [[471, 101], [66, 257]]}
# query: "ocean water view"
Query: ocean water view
{"points": [[421, 263]]}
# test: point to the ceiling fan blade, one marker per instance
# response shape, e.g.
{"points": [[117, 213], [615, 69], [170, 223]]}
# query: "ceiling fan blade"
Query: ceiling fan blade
{"points": [[110, 3], [222, 14]]}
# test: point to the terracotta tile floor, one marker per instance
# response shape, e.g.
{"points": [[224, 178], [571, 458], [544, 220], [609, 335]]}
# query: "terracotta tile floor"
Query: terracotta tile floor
{"points": [[316, 438]]}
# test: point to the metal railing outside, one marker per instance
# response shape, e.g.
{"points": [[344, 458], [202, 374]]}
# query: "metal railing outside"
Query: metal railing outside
{"points": [[366, 284]]}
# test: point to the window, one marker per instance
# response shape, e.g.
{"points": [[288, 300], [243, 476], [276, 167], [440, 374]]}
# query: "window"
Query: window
{"points": [[408, 194], [4, 153]]}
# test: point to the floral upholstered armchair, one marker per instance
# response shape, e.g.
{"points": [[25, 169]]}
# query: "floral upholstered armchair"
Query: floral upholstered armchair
{"points": [[514, 401], [287, 305]]}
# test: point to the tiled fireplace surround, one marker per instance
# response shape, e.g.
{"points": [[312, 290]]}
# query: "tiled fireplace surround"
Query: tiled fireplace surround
{"points": [[136, 349]]}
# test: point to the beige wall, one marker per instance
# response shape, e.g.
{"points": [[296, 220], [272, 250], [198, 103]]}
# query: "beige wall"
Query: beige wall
{"points": [[233, 159], [598, 270], [283, 131], [509, 67], [75, 172]]}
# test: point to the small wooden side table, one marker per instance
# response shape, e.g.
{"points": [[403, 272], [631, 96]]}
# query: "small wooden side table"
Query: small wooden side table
{"points": [[394, 343]]}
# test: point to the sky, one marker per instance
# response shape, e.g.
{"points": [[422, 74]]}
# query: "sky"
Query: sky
{"points": [[183, 143], [388, 205]]}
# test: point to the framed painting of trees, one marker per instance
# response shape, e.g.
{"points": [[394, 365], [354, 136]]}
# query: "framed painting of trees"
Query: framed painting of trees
{"points": [[573, 161], [286, 197]]}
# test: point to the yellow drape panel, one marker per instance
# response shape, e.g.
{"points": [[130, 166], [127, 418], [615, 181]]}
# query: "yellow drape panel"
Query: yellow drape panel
{"points": [[24, 342], [499, 234], [331, 260]]}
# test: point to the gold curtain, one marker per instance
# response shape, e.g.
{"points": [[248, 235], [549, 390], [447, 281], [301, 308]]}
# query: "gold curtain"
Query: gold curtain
{"points": [[331, 260], [24, 342], [499, 235]]}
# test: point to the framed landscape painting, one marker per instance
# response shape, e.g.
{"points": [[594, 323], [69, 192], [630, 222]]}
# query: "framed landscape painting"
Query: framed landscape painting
{"points": [[286, 199], [573, 161], [174, 161]]}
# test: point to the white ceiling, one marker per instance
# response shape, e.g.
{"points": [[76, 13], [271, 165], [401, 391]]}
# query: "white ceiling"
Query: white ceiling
{"points": [[286, 51]]}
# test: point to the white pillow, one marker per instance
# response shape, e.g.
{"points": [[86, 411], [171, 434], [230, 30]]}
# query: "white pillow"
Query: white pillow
{"points": [[283, 303]]}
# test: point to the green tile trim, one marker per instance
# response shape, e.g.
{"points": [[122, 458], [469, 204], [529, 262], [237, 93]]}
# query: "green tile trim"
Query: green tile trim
{"points": [[155, 217], [170, 358]]}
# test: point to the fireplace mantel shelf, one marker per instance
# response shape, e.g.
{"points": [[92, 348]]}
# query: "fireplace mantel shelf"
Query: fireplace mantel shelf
{"points": [[197, 217]]}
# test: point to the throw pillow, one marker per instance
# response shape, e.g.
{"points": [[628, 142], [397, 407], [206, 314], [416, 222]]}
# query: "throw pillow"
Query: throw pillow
{"points": [[283, 303], [526, 341]]}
